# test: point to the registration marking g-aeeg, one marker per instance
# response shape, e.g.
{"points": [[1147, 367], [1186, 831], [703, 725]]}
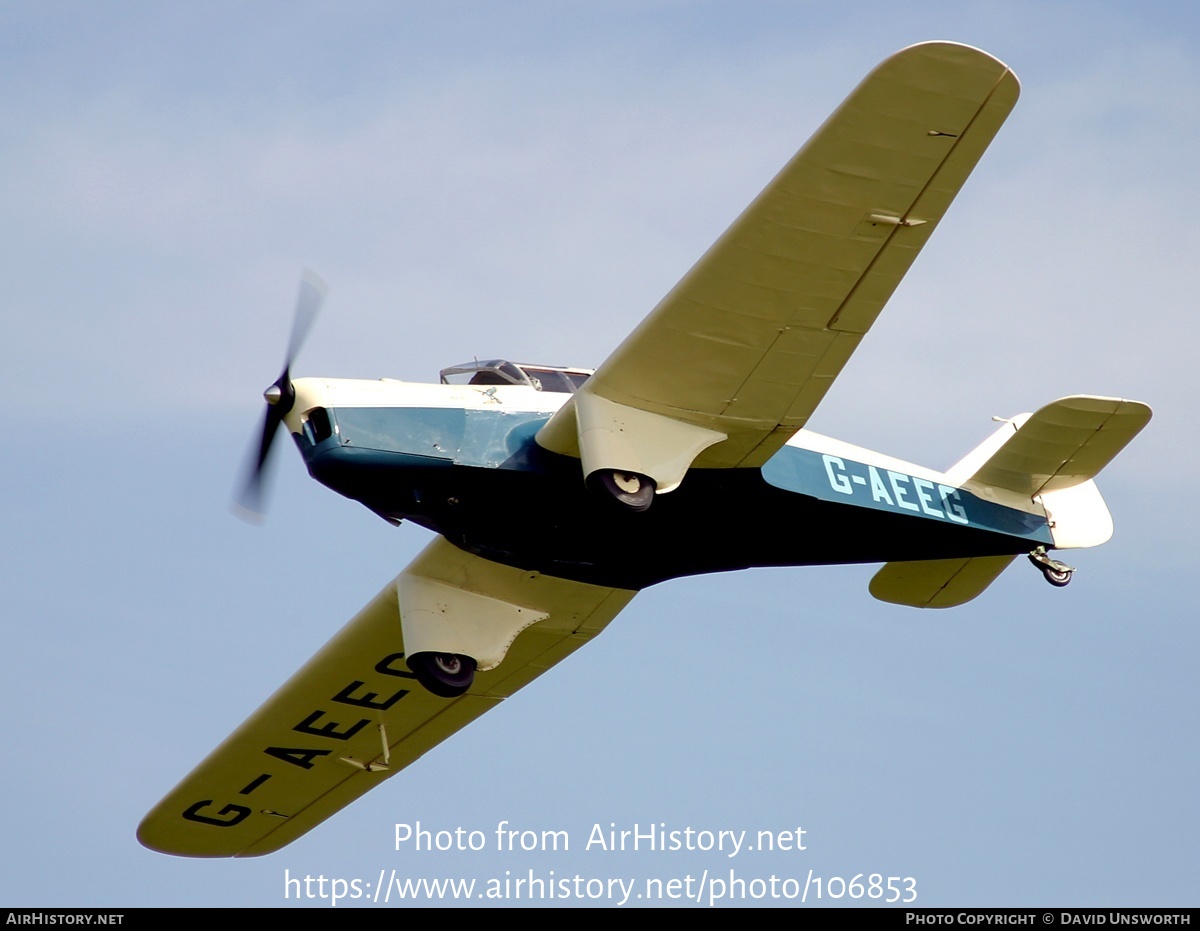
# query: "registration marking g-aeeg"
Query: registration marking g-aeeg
{"points": [[840, 479], [844, 480], [232, 814]]}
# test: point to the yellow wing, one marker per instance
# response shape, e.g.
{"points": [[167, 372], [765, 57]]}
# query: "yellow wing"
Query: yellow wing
{"points": [[747, 344], [354, 714]]}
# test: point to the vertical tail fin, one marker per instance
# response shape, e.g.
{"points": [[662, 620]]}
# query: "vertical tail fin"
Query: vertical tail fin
{"points": [[1047, 458]]}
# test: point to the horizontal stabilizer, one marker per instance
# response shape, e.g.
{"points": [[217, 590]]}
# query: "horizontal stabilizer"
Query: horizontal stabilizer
{"points": [[937, 583], [1064, 444]]}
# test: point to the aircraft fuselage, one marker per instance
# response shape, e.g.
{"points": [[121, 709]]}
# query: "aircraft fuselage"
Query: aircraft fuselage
{"points": [[463, 461]]}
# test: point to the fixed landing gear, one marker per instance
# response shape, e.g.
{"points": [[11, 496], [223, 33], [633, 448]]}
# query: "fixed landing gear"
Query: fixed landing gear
{"points": [[1057, 573], [631, 489], [446, 675]]}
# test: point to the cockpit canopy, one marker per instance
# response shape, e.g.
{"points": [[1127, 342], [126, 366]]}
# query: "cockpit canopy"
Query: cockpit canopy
{"points": [[500, 372]]}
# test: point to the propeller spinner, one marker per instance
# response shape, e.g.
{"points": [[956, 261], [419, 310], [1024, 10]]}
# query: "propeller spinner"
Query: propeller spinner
{"points": [[280, 395]]}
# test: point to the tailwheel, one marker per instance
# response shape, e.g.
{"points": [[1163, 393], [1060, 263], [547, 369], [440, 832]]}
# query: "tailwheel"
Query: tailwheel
{"points": [[1058, 577], [446, 675], [1056, 573], [632, 489]]}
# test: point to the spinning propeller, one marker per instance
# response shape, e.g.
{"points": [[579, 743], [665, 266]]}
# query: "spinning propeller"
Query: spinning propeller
{"points": [[281, 396]]}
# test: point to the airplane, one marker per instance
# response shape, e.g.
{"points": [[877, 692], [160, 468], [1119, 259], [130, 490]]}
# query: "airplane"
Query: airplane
{"points": [[556, 494]]}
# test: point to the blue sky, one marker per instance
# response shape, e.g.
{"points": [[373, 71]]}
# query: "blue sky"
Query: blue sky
{"points": [[527, 180]]}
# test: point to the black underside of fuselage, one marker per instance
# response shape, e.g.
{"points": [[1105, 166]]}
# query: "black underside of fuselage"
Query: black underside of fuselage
{"points": [[540, 517]]}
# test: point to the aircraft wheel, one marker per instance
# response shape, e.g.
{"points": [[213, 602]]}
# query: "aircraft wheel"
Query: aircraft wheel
{"points": [[634, 491], [1059, 578], [446, 675], [1057, 574]]}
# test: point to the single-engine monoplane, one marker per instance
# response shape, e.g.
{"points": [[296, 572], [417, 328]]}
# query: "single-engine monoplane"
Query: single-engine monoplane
{"points": [[556, 494]]}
